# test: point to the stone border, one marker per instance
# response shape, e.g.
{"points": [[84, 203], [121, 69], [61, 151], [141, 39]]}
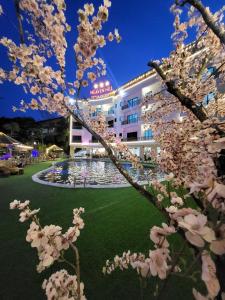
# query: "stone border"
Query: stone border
{"points": [[36, 179]]}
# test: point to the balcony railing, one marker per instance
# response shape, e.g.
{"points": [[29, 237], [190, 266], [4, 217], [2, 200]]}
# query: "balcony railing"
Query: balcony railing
{"points": [[134, 121], [127, 105], [93, 141], [133, 139]]}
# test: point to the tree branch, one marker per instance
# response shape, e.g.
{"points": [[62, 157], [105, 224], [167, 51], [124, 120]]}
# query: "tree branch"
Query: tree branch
{"points": [[21, 33], [207, 17]]}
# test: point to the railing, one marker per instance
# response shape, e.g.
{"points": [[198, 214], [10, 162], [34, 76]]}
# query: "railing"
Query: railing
{"points": [[125, 122], [125, 106], [142, 138], [93, 141], [131, 139]]}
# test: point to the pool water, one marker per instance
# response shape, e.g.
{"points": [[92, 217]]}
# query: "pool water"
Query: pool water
{"points": [[95, 172]]}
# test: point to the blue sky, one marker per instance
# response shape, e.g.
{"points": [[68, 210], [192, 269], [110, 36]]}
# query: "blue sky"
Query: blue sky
{"points": [[145, 27]]}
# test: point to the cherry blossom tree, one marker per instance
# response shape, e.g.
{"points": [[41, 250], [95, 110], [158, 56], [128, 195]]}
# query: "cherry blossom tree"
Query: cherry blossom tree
{"points": [[192, 146], [189, 126]]}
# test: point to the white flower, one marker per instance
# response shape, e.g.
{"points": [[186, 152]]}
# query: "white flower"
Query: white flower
{"points": [[209, 275], [158, 234], [172, 209], [160, 197], [177, 200], [89, 9], [24, 204], [14, 204], [158, 262], [79, 74], [27, 214], [107, 3], [197, 229], [103, 13]]}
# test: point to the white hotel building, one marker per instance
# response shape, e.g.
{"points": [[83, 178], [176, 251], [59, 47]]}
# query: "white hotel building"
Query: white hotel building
{"points": [[123, 112]]}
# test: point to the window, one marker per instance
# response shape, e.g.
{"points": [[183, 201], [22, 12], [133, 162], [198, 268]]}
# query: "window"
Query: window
{"points": [[110, 123], [93, 139], [208, 72], [133, 102], [211, 70], [111, 111], [116, 105], [148, 134], [76, 125], [132, 118], [77, 139], [132, 136], [120, 134], [208, 98], [97, 112]]}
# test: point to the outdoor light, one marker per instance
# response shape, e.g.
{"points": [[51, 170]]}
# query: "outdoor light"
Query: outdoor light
{"points": [[107, 83], [101, 84], [122, 93], [95, 86]]}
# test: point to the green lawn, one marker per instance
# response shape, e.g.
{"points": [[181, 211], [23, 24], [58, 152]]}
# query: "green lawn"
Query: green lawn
{"points": [[115, 220]]}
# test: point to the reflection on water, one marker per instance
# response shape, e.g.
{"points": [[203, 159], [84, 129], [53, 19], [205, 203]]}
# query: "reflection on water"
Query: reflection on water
{"points": [[95, 172]]}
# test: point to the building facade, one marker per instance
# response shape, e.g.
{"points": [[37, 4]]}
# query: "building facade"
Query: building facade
{"points": [[123, 111]]}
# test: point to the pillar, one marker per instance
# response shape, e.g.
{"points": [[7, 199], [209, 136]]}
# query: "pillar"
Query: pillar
{"points": [[142, 152], [72, 150]]}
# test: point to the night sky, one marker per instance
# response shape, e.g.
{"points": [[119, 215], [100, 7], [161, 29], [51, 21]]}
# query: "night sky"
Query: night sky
{"points": [[145, 27]]}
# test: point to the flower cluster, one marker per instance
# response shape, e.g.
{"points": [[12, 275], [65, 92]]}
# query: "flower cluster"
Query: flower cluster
{"points": [[157, 263], [89, 40], [51, 244], [49, 24], [63, 286], [48, 240], [26, 212]]}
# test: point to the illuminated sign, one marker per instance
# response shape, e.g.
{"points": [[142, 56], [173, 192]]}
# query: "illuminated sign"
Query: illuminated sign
{"points": [[100, 89]]}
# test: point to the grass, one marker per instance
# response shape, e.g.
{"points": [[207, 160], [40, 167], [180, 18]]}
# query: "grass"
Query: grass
{"points": [[115, 220]]}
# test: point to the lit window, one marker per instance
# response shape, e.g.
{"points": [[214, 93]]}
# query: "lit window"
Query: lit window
{"points": [[132, 118], [208, 98], [133, 102], [148, 134]]}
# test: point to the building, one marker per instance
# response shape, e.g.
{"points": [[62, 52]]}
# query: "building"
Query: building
{"points": [[123, 111]]}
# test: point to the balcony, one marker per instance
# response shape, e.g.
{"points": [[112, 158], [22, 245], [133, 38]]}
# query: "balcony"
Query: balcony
{"points": [[134, 121], [125, 106], [93, 141], [135, 139], [130, 105]]}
